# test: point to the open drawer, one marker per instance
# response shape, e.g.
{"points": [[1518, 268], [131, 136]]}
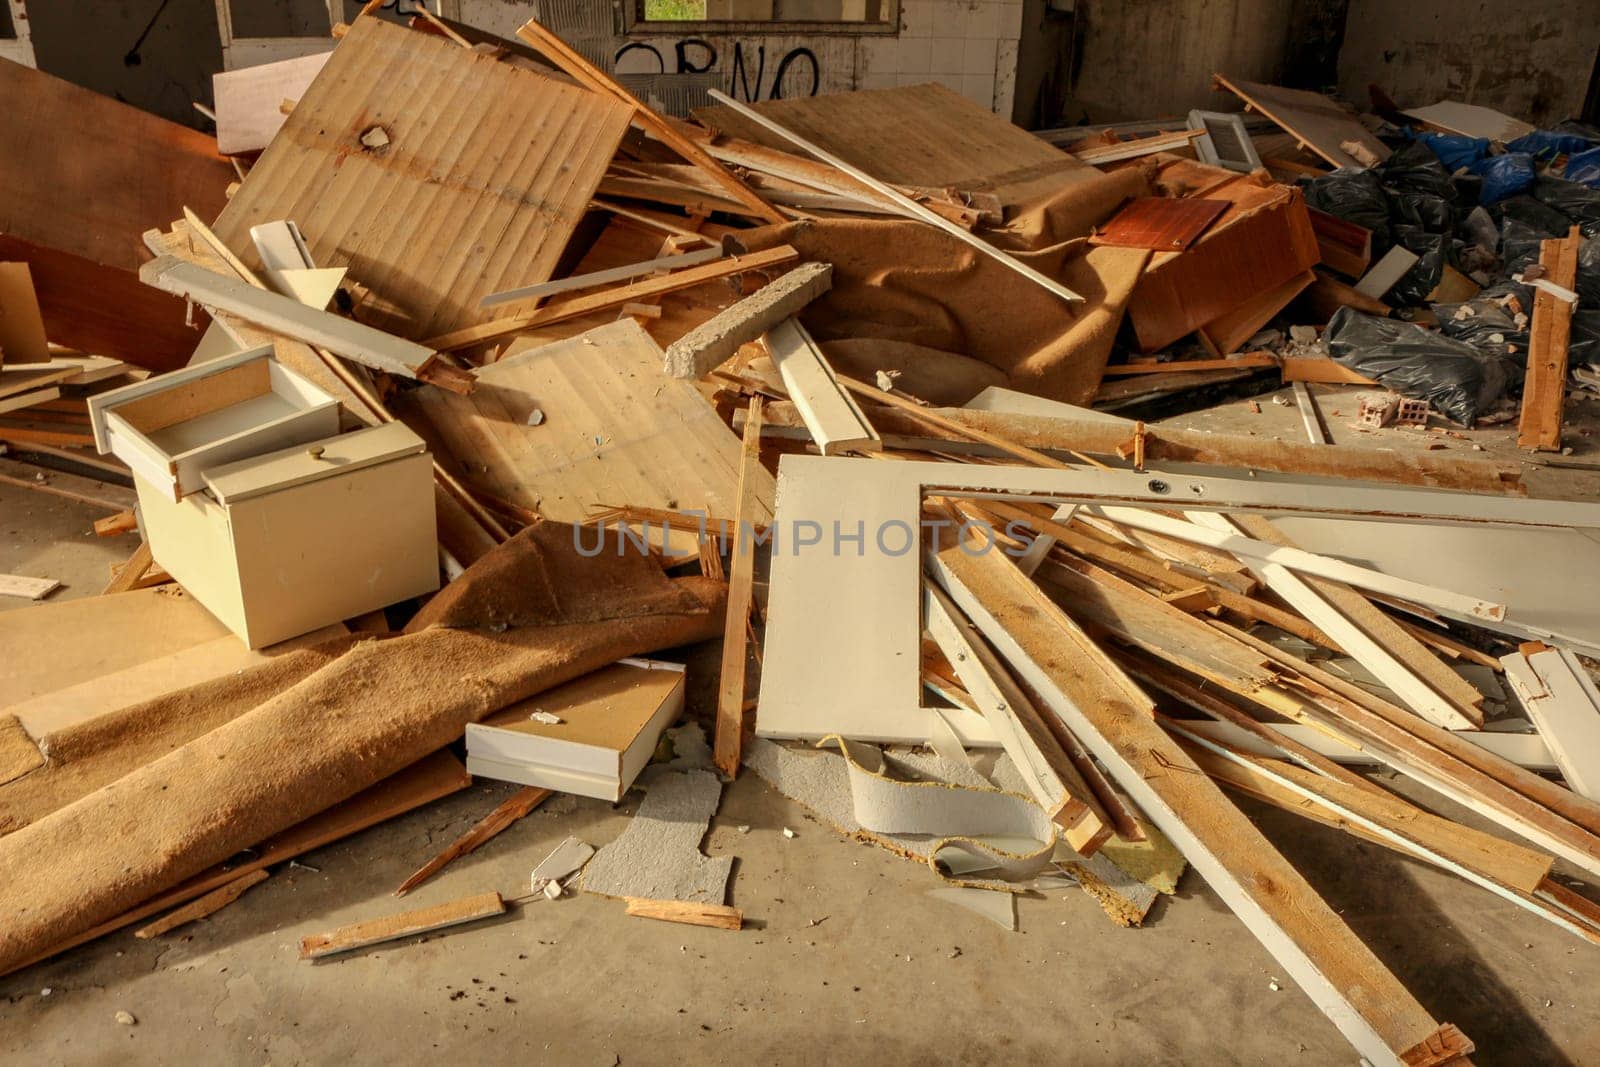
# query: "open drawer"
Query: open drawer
{"points": [[170, 429]]}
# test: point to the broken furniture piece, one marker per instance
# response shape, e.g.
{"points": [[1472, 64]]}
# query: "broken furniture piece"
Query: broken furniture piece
{"points": [[590, 737], [255, 502]]}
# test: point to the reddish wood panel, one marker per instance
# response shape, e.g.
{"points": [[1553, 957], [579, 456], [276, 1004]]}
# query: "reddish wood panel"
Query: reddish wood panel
{"points": [[1161, 223]]}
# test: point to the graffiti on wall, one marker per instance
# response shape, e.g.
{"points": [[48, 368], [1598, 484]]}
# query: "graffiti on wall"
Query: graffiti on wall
{"points": [[753, 72]]}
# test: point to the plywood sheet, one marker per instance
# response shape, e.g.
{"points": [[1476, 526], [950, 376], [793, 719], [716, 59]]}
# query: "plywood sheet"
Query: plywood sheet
{"points": [[917, 135], [1161, 223], [1321, 124], [614, 430], [486, 172], [249, 101], [1470, 120], [51, 646]]}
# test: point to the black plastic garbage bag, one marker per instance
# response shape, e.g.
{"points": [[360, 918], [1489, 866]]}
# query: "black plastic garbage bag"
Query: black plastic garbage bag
{"points": [[1415, 284], [1458, 380], [1577, 202], [1356, 196]]}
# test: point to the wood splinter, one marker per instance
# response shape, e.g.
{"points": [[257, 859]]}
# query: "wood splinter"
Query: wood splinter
{"points": [[717, 916]]}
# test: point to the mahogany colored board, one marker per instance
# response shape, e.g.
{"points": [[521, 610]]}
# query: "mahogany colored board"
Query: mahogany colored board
{"points": [[1162, 223]]}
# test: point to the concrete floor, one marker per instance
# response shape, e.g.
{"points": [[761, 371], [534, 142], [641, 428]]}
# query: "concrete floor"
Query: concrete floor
{"points": [[843, 955]]}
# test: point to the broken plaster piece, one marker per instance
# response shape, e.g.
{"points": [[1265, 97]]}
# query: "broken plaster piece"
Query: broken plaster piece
{"points": [[658, 856], [567, 858]]}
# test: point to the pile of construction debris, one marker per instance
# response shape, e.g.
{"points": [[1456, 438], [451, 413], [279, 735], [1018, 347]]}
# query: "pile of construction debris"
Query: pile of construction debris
{"points": [[467, 401]]}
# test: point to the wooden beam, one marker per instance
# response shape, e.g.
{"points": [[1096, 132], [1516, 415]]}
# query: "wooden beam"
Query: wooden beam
{"points": [[514, 808], [712, 342], [614, 298], [717, 916], [596, 80], [406, 924], [287, 316], [836, 421], [128, 576], [1544, 390], [729, 743], [910, 207], [1114, 719], [209, 904]]}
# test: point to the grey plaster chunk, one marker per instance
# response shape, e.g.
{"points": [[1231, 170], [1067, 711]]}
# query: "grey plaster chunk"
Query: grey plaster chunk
{"points": [[658, 856]]}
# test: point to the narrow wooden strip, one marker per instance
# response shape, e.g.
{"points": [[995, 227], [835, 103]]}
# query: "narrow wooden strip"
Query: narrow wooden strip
{"points": [[29, 588], [514, 808], [719, 916], [613, 298], [65, 494], [1249, 359], [114, 525], [729, 744], [1545, 387], [127, 578], [907, 205], [405, 924], [209, 904], [603, 277], [591, 77]]}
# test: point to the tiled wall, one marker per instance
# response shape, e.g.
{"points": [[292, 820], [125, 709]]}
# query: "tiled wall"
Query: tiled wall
{"points": [[968, 45]]}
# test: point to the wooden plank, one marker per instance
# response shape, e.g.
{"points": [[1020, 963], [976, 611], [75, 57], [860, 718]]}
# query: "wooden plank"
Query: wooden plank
{"points": [[1177, 366], [1307, 406], [909, 207], [117, 525], [128, 575], [22, 336], [1136, 147], [1345, 246], [729, 742], [1321, 370], [1544, 389], [454, 207], [1160, 223], [23, 401], [1114, 719], [645, 289], [1384, 274], [597, 81], [714, 341], [717, 916], [836, 421], [28, 588], [612, 431], [925, 136], [1320, 124], [287, 316], [22, 438], [513, 808], [1039, 753], [405, 924], [604, 277], [247, 100], [1559, 696], [1470, 120], [209, 904]]}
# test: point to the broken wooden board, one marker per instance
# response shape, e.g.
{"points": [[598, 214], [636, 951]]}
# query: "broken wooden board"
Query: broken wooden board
{"points": [[1544, 389], [405, 924], [611, 431], [1160, 223], [289, 317], [1470, 120], [78, 227], [1560, 697], [920, 135], [731, 684], [28, 588], [22, 336], [249, 100], [1115, 721], [836, 421], [711, 343], [202, 907], [53, 646], [449, 210], [717, 916], [1318, 123]]}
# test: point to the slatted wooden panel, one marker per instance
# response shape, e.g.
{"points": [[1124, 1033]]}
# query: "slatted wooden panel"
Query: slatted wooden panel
{"points": [[487, 171], [615, 431], [920, 135], [1322, 124]]}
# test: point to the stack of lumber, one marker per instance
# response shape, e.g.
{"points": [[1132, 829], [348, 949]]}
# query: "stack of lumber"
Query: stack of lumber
{"points": [[661, 370]]}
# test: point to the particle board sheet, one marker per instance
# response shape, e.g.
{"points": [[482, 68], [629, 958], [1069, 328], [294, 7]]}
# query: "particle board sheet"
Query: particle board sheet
{"points": [[1470, 120], [1161, 223], [51, 646], [249, 100], [487, 171], [917, 135], [612, 430], [1321, 124]]}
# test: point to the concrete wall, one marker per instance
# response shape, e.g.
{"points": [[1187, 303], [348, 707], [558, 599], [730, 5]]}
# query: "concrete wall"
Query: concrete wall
{"points": [[1531, 59], [1147, 59]]}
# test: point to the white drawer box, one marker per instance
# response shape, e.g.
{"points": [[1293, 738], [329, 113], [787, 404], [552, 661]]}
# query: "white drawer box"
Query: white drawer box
{"points": [[171, 428], [251, 498]]}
